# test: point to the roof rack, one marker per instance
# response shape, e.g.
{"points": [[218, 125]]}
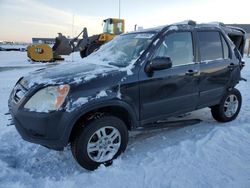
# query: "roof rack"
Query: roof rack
{"points": [[217, 23], [191, 22], [186, 22]]}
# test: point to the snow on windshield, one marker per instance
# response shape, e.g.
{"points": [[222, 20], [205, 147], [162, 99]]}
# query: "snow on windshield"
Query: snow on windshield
{"points": [[121, 51]]}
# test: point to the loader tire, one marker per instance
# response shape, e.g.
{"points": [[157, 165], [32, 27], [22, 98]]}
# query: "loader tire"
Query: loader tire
{"points": [[92, 47], [83, 53]]}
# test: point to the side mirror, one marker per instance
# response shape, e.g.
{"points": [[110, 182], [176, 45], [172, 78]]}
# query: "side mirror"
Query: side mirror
{"points": [[159, 63]]}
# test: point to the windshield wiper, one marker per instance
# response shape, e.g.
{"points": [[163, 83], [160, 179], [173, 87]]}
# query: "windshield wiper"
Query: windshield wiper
{"points": [[117, 64]]}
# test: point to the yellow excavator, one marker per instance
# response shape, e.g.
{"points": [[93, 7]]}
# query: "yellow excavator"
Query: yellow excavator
{"points": [[63, 46]]}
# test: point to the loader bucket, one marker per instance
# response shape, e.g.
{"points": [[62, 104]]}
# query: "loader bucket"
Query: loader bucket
{"points": [[62, 46], [40, 52]]}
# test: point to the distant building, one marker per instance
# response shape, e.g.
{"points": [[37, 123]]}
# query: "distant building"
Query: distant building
{"points": [[43, 40], [6, 42]]}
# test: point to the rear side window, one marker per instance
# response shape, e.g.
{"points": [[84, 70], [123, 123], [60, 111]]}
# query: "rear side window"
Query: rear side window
{"points": [[210, 45], [178, 46]]}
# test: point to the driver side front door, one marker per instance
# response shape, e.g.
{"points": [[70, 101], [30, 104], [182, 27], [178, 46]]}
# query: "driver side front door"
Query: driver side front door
{"points": [[175, 90]]}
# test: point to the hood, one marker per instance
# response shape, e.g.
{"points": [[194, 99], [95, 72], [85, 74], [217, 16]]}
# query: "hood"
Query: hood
{"points": [[67, 73]]}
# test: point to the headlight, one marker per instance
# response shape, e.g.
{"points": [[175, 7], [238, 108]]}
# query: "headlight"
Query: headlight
{"points": [[48, 99]]}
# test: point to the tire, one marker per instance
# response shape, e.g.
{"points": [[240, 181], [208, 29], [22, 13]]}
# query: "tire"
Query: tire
{"points": [[91, 150], [83, 53], [229, 107]]}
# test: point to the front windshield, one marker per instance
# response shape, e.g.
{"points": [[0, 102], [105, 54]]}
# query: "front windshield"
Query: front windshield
{"points": [[122, 50]]}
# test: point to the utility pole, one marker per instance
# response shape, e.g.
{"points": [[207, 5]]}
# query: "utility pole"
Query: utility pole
{"points": [[119, 9], [73, 22]]}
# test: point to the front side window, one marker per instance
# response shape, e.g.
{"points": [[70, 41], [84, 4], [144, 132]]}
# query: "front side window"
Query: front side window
{"points": [[178, 46], [210, 45]]}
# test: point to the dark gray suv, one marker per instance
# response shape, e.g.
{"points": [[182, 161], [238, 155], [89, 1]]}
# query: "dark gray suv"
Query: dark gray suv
{"points": [[130, 83]]}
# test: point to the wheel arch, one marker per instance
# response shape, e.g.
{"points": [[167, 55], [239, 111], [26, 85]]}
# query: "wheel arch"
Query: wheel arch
{"points": [[119, 109]]}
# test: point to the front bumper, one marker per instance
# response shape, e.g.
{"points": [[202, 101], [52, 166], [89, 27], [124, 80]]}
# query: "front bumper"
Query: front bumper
{"points": [[48, 129], [44, 129]]}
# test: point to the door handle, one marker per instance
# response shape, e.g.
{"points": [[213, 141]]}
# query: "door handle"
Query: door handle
{"points": [[192, 72], [232, 66]]}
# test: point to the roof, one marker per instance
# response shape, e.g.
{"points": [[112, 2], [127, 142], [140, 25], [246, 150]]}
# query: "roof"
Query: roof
{"points": [[235, 29]]}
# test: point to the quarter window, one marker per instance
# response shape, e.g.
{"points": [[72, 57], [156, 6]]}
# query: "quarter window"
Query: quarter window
{"points": [[210, 45], [178, 46]]}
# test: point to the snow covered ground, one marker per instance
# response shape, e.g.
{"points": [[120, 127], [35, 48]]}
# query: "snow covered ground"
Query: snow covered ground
{"points": [[208, 154]]}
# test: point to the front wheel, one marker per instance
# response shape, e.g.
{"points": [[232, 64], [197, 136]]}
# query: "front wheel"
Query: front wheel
{"points": [[99, 142], [229, 107]]}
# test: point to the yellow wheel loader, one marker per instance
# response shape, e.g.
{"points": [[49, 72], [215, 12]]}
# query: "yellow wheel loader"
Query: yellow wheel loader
{"points": [[63, 46]]}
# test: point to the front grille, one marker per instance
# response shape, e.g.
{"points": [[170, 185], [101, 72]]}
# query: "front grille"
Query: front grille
{"points": [[19, 92]]}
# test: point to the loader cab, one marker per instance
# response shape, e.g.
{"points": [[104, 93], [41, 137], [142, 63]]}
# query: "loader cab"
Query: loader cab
{"points": [[113, 26]]}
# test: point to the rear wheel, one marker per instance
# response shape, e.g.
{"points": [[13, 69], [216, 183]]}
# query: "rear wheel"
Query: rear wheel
{"points": [[99, 142], [229, 107]]}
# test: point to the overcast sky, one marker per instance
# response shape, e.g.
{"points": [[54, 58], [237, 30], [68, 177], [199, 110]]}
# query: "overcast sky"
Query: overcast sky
{"points": [[21, 20]]}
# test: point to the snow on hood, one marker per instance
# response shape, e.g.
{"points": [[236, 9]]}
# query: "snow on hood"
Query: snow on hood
{"points": [[74, 72]]}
